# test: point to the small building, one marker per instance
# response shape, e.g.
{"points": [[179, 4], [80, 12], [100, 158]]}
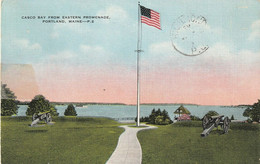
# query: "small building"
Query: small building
{"points": [[183, 113], [184, 117]]}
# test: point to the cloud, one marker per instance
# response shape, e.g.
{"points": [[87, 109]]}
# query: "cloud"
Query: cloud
{"points": [[61, 55], [64, 57], [55, 34], [92, 50], [115, 13], [25, 44], [96, 55], [224, 59], [218, 55], [85, 55], [220, 58], [160, 48], [248, 62], [255, 34]]}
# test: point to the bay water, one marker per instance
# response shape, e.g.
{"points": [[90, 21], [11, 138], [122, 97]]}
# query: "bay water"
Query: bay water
{"points": [[129, 111]]}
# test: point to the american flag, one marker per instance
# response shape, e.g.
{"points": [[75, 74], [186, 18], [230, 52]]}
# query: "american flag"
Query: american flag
{"points": [[150, 17]]}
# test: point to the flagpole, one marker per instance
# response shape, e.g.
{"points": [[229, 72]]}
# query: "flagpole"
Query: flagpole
{"points": [[151, 21], [138, 66]]}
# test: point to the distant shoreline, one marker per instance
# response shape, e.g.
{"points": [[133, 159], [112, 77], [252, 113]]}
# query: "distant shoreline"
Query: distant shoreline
{"points": [[156, 104]]}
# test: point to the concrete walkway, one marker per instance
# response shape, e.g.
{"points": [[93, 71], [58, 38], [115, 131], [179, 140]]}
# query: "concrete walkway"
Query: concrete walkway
{"points": [[128, 150]]}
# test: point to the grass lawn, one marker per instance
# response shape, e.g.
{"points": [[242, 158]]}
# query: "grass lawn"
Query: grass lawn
{"points": [[69, 140], [182, 143]]}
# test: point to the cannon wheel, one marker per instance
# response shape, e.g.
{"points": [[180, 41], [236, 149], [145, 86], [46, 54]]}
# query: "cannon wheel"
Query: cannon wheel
{"points": [[205, 122], [47, 118], [226, 124], [50, 118], [34, 116]]}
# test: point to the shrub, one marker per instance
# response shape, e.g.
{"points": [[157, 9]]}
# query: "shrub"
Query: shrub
{"points": [[146, 119], [40, 104], [70, 111], [194, 118], [143, 119], [253, 112], [8, 103], [160, 121], [8, 107], [159, 118]]}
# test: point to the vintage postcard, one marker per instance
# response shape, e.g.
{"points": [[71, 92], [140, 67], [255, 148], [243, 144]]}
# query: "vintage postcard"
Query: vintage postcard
{"points": [[127, 81]]}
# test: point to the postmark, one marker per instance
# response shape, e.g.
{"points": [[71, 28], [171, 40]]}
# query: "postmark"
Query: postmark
{"points": [[188, 35]]}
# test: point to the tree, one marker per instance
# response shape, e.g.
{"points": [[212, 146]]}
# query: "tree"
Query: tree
{"points": [[8, 107], [152, 117], [70, 111], [232, 118], [212, 113], [158, 112], [159, 118], [53, 111], [8, 103], [165, 114], [247, 112], [6, 93], [253, 112], [40, 104]]}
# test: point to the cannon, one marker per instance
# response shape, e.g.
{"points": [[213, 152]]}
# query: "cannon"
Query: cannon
{"points": [[37, 117], [210, 122]]}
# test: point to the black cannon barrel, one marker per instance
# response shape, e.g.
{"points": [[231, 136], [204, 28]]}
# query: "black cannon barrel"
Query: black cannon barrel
{"points": [[215, 117]]}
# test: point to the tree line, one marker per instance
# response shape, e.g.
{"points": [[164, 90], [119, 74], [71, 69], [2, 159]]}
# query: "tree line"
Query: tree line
{"points": [[9, 106], [157, 117], [39, 104]]}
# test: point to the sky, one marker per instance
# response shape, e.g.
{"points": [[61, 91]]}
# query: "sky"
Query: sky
{"points": [[96, 62]]}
